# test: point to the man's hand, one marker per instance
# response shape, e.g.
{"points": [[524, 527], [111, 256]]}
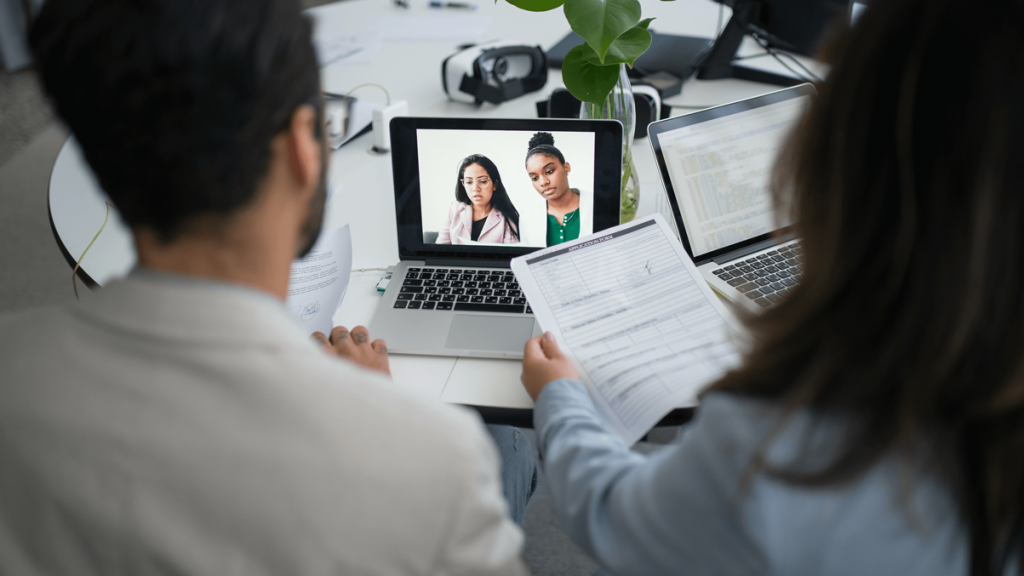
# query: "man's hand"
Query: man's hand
{"points": [[356, 346], [543, 363]]}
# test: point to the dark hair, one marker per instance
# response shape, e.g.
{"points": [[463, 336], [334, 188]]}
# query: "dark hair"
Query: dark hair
{"points": [[544, 143], [909, 322], [499, 200], [176, 103]]}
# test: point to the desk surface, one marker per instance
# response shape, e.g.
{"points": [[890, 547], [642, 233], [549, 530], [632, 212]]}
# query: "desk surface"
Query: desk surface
{"points": [[365, 200]]}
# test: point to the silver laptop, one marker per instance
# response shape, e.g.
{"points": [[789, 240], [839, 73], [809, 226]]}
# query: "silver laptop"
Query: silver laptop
{"points": [[716, 166], [453, 292]]}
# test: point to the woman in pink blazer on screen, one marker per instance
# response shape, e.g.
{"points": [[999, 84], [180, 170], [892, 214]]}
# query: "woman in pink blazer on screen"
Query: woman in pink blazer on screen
{"points": [[482, 210]]}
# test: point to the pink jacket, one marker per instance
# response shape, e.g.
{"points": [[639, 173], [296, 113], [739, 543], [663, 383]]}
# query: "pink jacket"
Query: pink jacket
{"points": [[460, 225]]}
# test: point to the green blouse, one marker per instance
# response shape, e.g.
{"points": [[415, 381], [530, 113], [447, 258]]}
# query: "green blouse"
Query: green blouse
{"points": [[567, 229]]}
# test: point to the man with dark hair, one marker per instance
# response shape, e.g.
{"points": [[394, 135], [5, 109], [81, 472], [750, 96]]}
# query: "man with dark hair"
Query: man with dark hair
{"points": [[181, 423]]}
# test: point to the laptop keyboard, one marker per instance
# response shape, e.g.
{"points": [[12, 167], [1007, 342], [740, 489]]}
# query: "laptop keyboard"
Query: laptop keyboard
{"points": [[468, 290], [766, 278]]}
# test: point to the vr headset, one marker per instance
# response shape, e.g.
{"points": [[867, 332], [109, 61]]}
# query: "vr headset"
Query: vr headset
{"points": [[493, 72]]}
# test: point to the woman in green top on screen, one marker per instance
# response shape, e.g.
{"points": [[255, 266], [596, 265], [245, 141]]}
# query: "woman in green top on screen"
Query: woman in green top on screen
{"points": [[549, 173]]}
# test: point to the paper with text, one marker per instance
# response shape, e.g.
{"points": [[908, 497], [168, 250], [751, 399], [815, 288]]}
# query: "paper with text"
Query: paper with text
{"points": [[319, 280], [629, 307]]}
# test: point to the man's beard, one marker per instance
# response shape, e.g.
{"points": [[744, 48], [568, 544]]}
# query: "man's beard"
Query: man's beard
{"points": [[314, 223]]}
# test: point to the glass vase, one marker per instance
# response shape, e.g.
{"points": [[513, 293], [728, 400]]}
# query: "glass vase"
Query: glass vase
{"points": [[619, 105]]}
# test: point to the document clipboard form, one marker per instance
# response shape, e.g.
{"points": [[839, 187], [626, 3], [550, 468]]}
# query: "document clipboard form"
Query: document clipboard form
{"points": [[630, 309]]}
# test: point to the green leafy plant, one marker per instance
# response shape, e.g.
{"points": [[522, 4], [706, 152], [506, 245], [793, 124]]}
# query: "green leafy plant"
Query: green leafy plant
{"points": [[613, 34]]}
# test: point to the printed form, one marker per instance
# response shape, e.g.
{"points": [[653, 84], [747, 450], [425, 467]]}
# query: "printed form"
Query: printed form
{"points": [[629, 307]]}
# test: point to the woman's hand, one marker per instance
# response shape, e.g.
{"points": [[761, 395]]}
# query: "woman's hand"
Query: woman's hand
{"points": [[356, 346], [543, 363]]}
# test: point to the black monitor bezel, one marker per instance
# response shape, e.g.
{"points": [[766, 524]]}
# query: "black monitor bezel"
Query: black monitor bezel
{"points": [[405, 168], [656, 129]]}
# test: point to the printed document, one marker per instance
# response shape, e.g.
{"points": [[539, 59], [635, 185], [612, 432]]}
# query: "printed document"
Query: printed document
{"points": [[319, 280], [643, 328]]}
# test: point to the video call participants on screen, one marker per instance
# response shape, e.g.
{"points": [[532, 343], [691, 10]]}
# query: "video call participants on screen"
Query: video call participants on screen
{"points": [[499, 199]]}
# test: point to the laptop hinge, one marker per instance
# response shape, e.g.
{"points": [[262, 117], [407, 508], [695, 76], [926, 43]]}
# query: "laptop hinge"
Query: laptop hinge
{"points": [[468, 263], [746, 250]]}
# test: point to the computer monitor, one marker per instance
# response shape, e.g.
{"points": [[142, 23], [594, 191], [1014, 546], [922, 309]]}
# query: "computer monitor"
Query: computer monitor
{"points": [[797, 26]]}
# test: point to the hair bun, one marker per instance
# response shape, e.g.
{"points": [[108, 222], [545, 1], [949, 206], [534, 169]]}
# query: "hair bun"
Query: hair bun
{"points": [[542, 139]]}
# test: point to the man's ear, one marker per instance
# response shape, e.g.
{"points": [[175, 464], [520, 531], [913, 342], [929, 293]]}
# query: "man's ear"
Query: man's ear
{"points": [[304, 147]]}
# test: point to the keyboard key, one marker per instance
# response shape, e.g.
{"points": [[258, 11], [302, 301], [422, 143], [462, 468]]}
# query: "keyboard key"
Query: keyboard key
{"points": [[746, 269], [729, 268], [444, 305], [471, 284], [472, 291], [515, 293], [428, 306], [444, 290], [411, 276], [484, 284], [761, 274], [766, 289], [797, 270], [414, 270], [725, 276], [747, 287], [783, 292], [440, 271], [411, 290], [779, 258], [452, 276], [528, 309], [401, 304], [737, 281], [413, 283], [513, 309], [763, 256], [500, 293], [444, 283], [458, 291], [490, 300], [504, 300], [719, 271], [750, 277], [462, 298], [788, 282], [405, 296], [448, 298], [773, 253], [494, 278], [487, 292], [465, 277], [777, 285], [764, 302], [773, 269], [498, 285], [512, 285], [774, 277], [458, 284], [519, 301], [434, 298], [750, 260], [763, 282], [430, 283], [757, 266], [782, 265], [479, 277], [754, 295], [415, 305], [420, 297], [455, 271], [477, 299]]}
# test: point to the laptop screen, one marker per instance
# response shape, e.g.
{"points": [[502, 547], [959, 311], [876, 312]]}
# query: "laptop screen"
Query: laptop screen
{"points": [[719, 163], [493, 188]]}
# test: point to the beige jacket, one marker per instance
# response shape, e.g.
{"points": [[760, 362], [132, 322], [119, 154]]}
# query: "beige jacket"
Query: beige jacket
{"points": [[177, 426]]}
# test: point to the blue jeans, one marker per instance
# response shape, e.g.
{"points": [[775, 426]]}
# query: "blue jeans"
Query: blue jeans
{"points": [[518, 469]]}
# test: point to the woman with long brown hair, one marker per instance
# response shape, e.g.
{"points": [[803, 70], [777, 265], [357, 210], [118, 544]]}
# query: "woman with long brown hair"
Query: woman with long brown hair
{"points": [[876, 424]]}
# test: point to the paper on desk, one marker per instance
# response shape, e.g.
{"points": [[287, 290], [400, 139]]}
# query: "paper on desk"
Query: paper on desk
{"points": [[339, 47], [444, 27], [319, 280], [645, 331]]}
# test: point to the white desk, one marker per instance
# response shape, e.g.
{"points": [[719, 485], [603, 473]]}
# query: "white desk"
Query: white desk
{"points": [[410, 72]]}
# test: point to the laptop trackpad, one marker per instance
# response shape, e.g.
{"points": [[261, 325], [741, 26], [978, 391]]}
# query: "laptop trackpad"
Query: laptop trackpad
{"points": [[492, 333]]}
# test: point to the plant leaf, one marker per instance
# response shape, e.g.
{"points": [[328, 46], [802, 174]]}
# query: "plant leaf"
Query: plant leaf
{"points": [[585, 81], [600, 22], [536, 5], [646, 22], [624, 50]]}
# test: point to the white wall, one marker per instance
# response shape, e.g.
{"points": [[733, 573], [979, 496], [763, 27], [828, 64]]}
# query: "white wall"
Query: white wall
{"points": [[441, 152]]}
